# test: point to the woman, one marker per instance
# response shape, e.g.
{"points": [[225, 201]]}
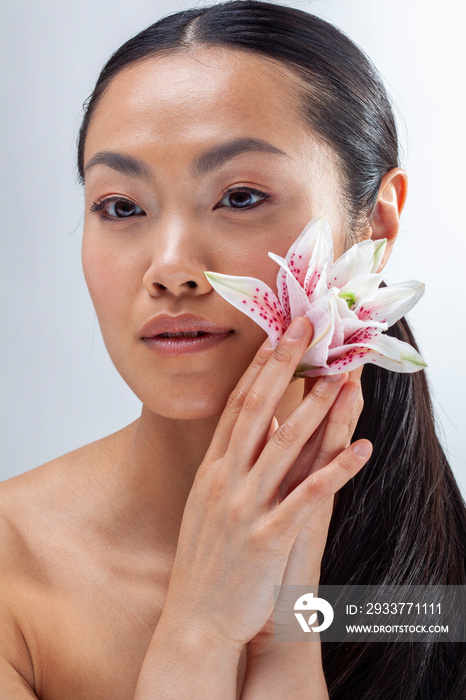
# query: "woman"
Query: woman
{"points": [[142, 566]]}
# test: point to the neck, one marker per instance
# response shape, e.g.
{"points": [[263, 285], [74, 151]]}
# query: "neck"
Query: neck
{"points": [[157, 464]]}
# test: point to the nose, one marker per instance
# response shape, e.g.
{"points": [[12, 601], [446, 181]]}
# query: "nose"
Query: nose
{"points": [[177, 263]]}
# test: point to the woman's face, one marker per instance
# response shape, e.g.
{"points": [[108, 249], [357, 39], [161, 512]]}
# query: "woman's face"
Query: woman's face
{"points": [[172, 189]]}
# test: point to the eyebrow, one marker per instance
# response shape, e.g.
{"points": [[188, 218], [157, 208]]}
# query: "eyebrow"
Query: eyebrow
{"points": [[127, 165], [215, 158], [205, 163]]}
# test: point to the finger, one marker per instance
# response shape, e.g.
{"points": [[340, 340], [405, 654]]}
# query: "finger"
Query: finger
{"points": [[339, 427], [250, 431], [332, 436], [285, 445], [222, 435], [291, 515], [302, 465], [305, 558]]}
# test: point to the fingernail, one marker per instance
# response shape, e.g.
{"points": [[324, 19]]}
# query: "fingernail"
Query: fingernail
{"points": [[354, 395], [297, 329], [362, 449]]}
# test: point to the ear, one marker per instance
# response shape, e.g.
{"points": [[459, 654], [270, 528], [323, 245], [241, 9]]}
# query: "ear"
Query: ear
{"points": [[385, 221]]}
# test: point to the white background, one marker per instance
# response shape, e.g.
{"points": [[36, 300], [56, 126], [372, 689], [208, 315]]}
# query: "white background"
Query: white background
{"points": [[59, 389]]}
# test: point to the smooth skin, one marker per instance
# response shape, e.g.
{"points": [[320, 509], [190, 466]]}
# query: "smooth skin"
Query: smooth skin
{"points": [[142, 565]]}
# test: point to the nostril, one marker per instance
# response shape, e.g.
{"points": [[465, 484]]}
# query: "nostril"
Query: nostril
{"points": [[191, 284]]}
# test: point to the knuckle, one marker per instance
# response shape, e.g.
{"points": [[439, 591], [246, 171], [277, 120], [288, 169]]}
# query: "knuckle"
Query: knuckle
{"points": [[287, 434], [315, 487], [254, 402], [282, 355], [237, 513], [211, 475], [236, 398], [260, 534], [271, 534], [346, 462], [320, 393], [260, 361], [216, 489]]}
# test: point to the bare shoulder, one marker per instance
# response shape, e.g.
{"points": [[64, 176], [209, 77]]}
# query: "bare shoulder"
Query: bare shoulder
{"points": [[52, 501], [42, 512], [43, 491]]}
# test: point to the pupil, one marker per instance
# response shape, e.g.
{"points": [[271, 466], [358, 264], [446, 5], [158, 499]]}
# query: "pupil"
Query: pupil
{"points": [[242, 198], [123, 208]]}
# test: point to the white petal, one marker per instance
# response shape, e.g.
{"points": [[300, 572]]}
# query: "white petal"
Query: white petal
{"points": [[357, 260], [254, 298], [391, 303], [361, 288]]}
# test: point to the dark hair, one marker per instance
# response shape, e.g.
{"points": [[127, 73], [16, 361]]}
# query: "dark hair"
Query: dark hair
{"points": [[401, 520]]}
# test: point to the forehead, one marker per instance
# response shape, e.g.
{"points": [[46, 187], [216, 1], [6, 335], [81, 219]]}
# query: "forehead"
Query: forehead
{"points": [[197, 95]]}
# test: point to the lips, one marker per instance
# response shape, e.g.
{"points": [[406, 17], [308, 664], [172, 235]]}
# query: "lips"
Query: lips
{"points": [[184, 325], [185, 334]]}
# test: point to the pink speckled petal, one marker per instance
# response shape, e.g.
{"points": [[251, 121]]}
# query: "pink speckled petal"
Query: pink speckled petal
{"points": [[409, 360], [254, 298], [382, 350], [321, 313], [297, 299], [391, 303], [299, 255], [322, 258], [370, 338]]}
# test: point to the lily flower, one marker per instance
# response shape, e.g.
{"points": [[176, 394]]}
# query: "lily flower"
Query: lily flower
{"points": [[342, 300]]}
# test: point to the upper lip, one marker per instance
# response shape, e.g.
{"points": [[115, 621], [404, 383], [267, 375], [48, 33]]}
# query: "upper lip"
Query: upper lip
{"points": [[189, 323]]}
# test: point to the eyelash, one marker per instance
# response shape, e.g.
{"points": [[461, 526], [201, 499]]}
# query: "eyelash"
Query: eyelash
{"points": [[248, 190], [99, 206]]}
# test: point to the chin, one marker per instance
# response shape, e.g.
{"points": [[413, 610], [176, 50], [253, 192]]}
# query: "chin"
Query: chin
{"points": [[184, 395], [188, 407], [184, 399]]}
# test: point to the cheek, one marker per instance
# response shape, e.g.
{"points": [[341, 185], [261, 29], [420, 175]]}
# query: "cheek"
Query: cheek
{"points": [[104, 272]]}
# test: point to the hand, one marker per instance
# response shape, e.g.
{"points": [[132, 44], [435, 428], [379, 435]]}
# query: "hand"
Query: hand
{"points": [[332, 437], [238, 529]]}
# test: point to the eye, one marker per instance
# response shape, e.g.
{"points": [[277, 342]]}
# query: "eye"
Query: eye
{"points": [[242, 198], [116, 208]]}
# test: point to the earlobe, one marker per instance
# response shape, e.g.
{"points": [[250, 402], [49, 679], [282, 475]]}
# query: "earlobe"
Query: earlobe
{"points": [[385, 221]]}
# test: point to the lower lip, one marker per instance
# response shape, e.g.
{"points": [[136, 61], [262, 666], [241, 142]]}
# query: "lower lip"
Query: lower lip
{"points": [[184, 345]]}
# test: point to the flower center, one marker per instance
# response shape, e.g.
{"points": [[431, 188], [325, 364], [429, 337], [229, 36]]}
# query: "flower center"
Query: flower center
{"points": [[349, 297]]}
